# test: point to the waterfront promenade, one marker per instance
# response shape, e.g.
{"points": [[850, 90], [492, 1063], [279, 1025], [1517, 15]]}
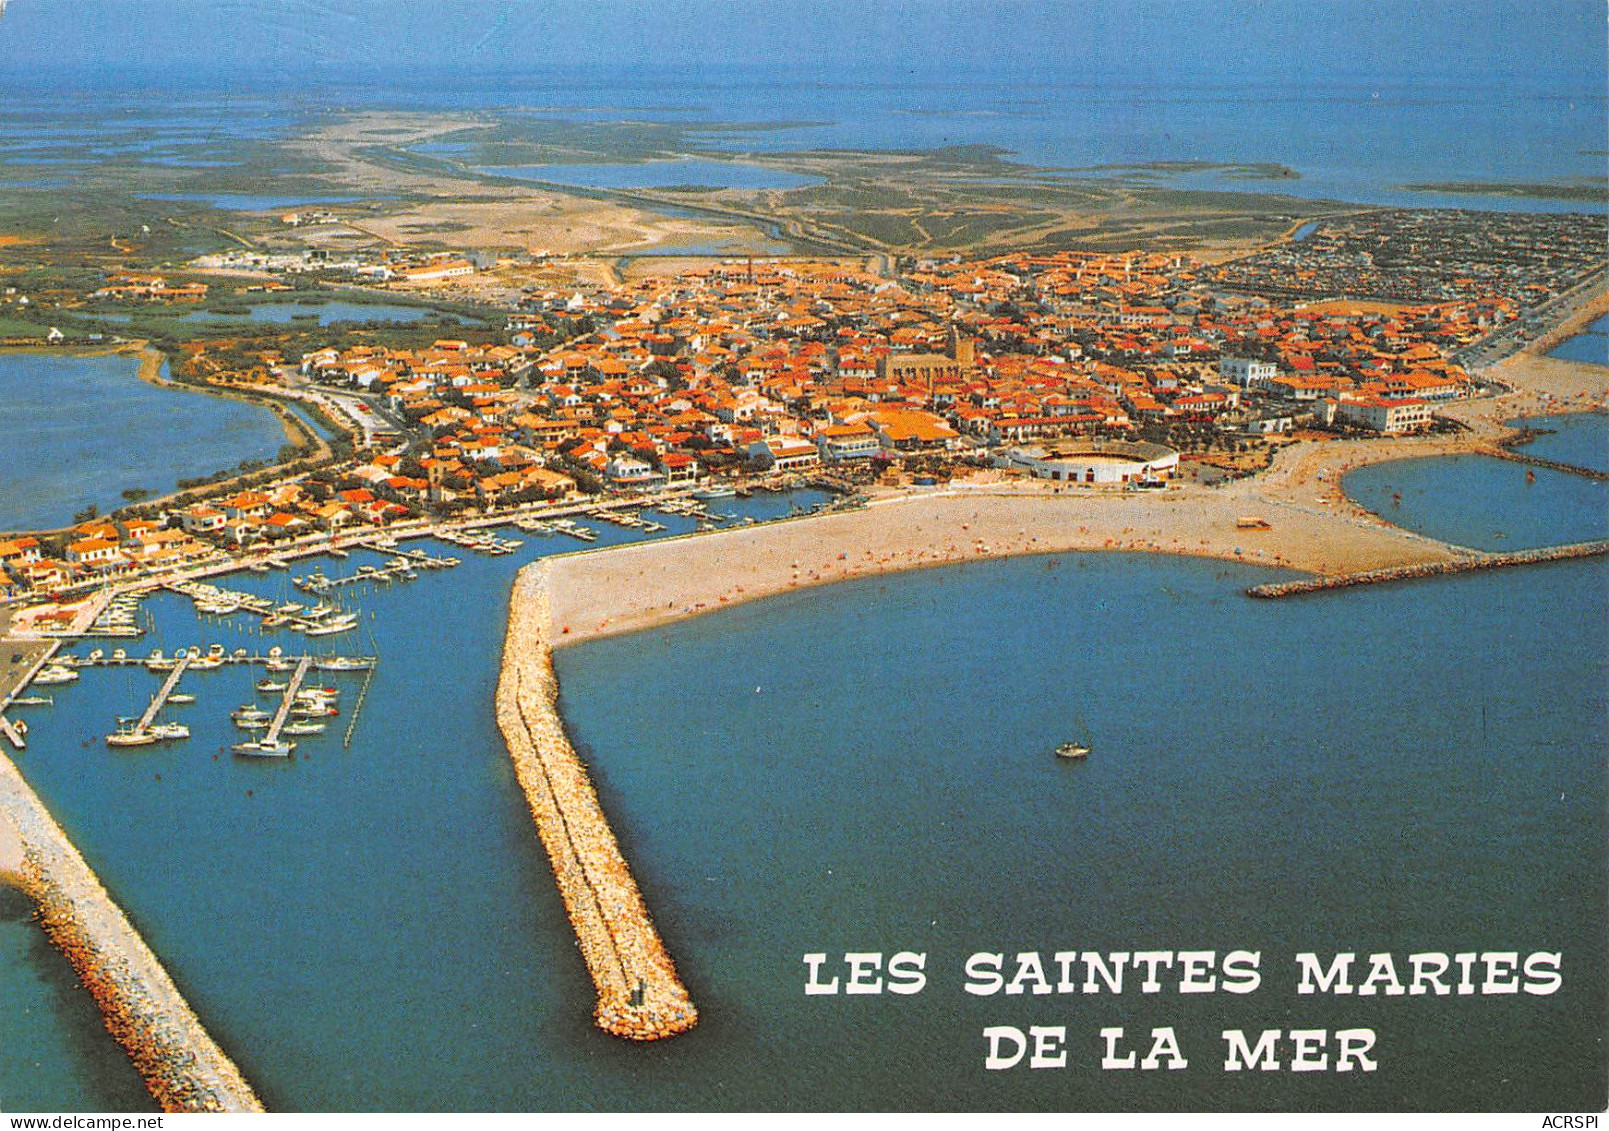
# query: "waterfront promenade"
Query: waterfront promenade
{"points": [[639, 996]]}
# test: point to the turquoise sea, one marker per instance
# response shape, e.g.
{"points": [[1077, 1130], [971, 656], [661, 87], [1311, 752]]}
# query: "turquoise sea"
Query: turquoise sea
{"points": [[58, 1055], [868, 767], [57, 463], [1578, 438], [1485, 503], [1590, 345]]}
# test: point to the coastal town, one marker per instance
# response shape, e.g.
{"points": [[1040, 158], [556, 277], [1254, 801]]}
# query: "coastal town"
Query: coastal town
{"points": [[1126, 371], [943, 409], [621, 557]]}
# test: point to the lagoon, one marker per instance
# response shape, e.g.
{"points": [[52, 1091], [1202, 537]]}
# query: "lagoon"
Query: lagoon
{"points": [[1578, 438], [82, 429], [282, 313], [1491, 504], [658, 174]]}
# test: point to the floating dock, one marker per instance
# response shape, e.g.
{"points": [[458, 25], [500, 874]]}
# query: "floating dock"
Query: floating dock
{"points": [[206, 598], [639, 996], [416, 557], [240, 656], [286, 703], [1429, 569], [160, 699], [357, 708]]}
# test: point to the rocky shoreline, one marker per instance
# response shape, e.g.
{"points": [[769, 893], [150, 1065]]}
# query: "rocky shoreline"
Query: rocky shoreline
{"points": [[640, 996], [1430, 569], [183, 1067]]}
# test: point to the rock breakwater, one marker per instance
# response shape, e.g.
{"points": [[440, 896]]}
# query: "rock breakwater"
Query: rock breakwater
{"points": [[640, 996], [1430, 569], [182, 1065]]}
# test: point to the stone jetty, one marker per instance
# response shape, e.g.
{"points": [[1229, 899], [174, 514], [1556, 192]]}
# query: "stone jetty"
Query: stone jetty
{"points": [[640, 997], [183, 1067], [1505, 452], [1430, 569]]}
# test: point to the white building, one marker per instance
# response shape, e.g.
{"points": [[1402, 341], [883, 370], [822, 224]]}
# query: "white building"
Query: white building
{"points": [[783, 453], [1247, 372], [623, 468], [1383, 414], [1097, 463], [436, 270], [847, 441]]}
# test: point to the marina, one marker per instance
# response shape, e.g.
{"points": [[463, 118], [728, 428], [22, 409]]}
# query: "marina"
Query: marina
{"points": [[656, 795], [270, 746], [230, 829], [183, 1067], [142, 732], [400, 565], [297, 709], [316, 620]]}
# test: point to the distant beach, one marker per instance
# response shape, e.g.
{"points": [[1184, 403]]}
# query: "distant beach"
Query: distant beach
{"points": [[1312, 526]]}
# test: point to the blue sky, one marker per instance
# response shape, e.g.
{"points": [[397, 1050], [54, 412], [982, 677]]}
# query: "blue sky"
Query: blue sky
{"points": [[1548, 44]]}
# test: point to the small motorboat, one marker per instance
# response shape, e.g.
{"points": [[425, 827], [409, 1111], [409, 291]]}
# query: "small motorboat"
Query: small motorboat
{"points": [[279, 749], [127, 734]]}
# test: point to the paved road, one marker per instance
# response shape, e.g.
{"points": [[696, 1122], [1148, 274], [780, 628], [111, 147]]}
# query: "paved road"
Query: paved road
{"points": [[17, 658]]}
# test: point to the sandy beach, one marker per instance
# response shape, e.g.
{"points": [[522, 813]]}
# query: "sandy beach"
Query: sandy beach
{"points": [[1313, 528], [647, 584], [1304, 524]]}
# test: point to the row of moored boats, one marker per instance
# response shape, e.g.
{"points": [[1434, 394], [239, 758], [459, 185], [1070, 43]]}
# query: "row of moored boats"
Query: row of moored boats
{"points": [[480, 541]]}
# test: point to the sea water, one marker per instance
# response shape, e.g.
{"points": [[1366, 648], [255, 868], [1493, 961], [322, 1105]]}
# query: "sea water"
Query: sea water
{"points": [[1591, 344], [869, 767], [1346, 138], [267, 887], [58, 1054], [1493, 504], [1577, 438]]}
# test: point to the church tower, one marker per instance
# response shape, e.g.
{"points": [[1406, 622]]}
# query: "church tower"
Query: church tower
{"points": [[958, 348]]}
